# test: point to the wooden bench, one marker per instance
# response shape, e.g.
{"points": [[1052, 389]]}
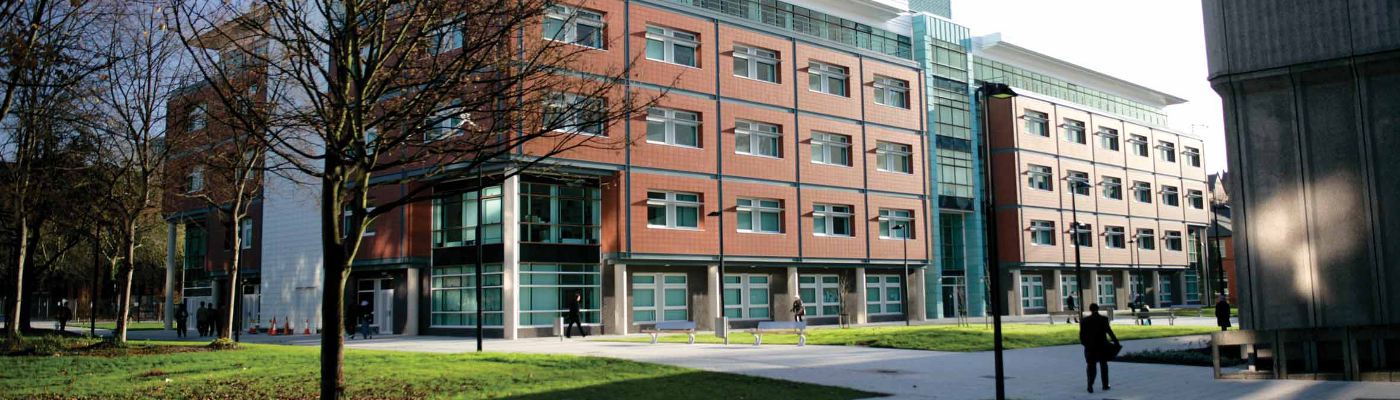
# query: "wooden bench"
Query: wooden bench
{"points": [[1056, 315], [795, 327], [1200, 310], [1142, 315], [687, 327]]}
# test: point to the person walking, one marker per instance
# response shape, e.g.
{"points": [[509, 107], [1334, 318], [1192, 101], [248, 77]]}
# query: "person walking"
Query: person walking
{"points": [[201, 319], [1070, 306], [366, 318], [798, 311], [63, 314], [1222, 313], [1094, 334], [574, 318], [181, 315]]}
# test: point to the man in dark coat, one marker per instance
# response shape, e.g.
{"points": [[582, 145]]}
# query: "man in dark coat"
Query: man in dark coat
{"points": [[201, 319], [63, 314], [182, 315], [575, 318], [1094, 334], [1070, 306], [1222, 313]]}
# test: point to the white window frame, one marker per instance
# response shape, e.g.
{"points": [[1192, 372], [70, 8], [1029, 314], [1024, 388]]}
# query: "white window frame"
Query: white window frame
{"points": [[571, 18], [1171, 196], [882, 286], [659, 286], [1197, 199], [1037, 123], [199, 117], [753, 58], [670, 39], [1029, 299], [1074, 131], [817, 305], [672, 202], [671, 119], [1171, 241], [1042, 229], [445, 38], [894, 157], [756, 208], [1108, 138], [745, 287], [754, 134], [829, 214], [824, 143], [196, 179], [1139, 144], [1142, 192], [1146, 239], [891, 92], [1192, 156], [1083, 231], [1040, 177], [572, 109], [245, 233], [444, 124], [1112, 232], [1168, 150], [1107, 298], [891, 217], [824, 74], [1116, 184], [1082, 180]]}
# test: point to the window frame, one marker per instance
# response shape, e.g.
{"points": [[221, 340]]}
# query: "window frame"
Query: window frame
{"points": [[245, 233], [670, 39], [754, 59], [1082, 235], [826, 73], [671, 120], [745, 305], [1028, 295], [1115, 237], [889, 153], [1040, 177], [1167, 151], [889, 88], [818, 306], [194, 181], [1075, 131], [1037, 123], [1139, 144], [1108, 138], [573, 109], [570, 17], [1197, 199], [671, 204], [829, 214], [1172, 241], [882, 286], [1146, 239], [1192, 156], [659, 286], [755, 133], [823, 144], [1042, 229], [1142, 192], [756, 209], [1171, 196], [1112, 187], [891, 217], [1082, 180]]}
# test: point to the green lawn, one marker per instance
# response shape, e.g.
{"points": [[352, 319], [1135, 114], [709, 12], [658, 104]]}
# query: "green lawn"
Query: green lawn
{"points": [[1205, 312], [941, 337], [270, 371], [130, 326]]}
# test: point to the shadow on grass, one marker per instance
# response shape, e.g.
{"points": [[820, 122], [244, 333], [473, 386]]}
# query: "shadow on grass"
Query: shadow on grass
{"points": [[701, 385]]}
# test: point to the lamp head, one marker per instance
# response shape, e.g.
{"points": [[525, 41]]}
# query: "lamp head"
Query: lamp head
{"points": [[997, 90]]}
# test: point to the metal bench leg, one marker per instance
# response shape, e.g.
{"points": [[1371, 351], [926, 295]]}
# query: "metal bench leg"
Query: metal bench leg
{"points": [[757, 339], [692, 338], [654, 337], [801, 339]]}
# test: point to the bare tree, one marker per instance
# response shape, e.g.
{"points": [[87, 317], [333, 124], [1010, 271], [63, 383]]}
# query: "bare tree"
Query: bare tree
{"points": [[363, 93]]}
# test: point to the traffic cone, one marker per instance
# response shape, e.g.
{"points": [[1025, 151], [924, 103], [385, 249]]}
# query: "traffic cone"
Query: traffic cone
{"points": [[253, 330], [273, 330], [307, 331], [288, 327]]}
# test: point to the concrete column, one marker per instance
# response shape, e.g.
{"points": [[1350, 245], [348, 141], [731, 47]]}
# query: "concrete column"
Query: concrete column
{"points": [[857, 311], [415, 292], [169, 276], [1015, 297], [783, 297], [510, 265], [711, 305], [1090, 288], [918, 310], [1152, 285], [617, 308], [1125, 294], [1180, 288], [1054, 300]]}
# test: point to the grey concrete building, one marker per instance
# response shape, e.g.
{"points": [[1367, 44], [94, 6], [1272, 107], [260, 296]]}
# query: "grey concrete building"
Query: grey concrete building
{"points": [[1311, 94]]}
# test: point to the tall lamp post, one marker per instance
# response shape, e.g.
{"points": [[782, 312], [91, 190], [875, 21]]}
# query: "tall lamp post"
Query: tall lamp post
{"points": [[1074, 228], [904, 238], [720, 314], [995, 91]]}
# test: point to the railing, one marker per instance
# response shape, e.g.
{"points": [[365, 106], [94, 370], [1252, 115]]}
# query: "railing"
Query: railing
{"points": [[806, 21]]}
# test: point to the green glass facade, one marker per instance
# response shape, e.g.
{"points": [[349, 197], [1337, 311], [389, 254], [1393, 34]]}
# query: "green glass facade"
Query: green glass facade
{"points": [[993, 71], [800, 19]]}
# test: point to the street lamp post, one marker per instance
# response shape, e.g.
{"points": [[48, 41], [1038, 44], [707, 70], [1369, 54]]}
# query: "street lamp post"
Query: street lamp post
{"points": [[996, 91], [720, 313], [1074, 235], [904, 239]]}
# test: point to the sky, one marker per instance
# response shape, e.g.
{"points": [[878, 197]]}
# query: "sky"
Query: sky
{"points": [[1154, 43]]}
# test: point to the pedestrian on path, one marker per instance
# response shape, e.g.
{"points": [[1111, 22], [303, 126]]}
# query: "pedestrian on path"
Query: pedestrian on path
{"points": [[1094, 334], [63, 314], [1222, 313], [1069, 306], [181, 317], [798, 311], [366, 318], [201, 319], [574, 317]]}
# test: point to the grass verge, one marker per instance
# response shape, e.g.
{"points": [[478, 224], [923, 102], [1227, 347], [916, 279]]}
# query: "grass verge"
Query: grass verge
{"points": [[939, 337], [291, 372]]}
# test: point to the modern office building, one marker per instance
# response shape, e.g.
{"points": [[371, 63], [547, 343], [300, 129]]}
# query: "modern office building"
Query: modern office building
{"points": [[1078, 146], [1312, 113]]}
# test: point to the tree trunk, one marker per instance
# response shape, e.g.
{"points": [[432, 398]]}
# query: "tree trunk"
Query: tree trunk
{"points": [[226, 330], [12, 320], [337, 272], [128, 268]]}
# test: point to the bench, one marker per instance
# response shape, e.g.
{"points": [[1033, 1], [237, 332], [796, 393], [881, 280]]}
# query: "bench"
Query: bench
{"points": [[1056, 315], [1168, 314], [1200, 310], [687, 327], [796, 327]]}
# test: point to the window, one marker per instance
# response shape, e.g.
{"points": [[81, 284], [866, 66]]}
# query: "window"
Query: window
{"points": [[444, 123], [194, 182], [760, 215], [827, 78], [1193, 286], [349, 216], [563, 214], [757, 139], [1197, 199], [574, 25], [955, 173], [659, 297], [1074, 131], [832, 220], [1032, 292], [1112, 188], [1037, 123], [821, 294], [1069, 285], [894, 157], [1172, 240], [673, 210], [902, 219], [1108, 139], [883, 295], [672, 46], [1039, 177], [1169, 196], [547, 289], [746, 296], [1146, 240], [1166, 289], [196, 246], [756, 63], [1108, 295], [445, 38], [1168, 150], [1142, 191], [1079, 183], [891, 92], [1083, 235], [571, 113], [1139, 144], [831, 149], [673, 127], [953, 242], [1043, 233], [1113, 237], [454, 296], [245, 233], [1192, 156], [454, 218], [199, 117]]}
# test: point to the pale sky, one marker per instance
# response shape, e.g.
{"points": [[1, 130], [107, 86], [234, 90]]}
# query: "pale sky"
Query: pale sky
{"points": [[1155, 43]]}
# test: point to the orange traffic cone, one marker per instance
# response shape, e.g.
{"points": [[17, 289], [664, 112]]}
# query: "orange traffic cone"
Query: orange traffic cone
{"points": [[288, 327], [252, 330], [273, 330], [307, 331]]}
